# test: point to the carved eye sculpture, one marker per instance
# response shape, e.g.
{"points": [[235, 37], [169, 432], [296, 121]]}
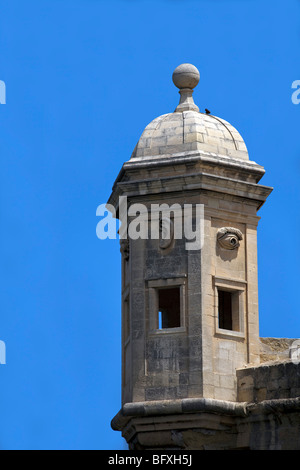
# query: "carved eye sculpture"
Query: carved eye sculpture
{"points": [[166, 232], [229, 238]]}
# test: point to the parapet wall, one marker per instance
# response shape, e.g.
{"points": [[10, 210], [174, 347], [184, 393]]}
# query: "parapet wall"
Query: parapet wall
{"points": [[269, 381], [266, 415], [275, 349]]}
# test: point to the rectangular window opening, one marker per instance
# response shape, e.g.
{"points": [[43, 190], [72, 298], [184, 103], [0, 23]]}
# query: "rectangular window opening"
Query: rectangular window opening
{"points": [[229, 315], [169, 308], [225, 310]]}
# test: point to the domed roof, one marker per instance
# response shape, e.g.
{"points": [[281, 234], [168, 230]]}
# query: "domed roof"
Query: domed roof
{"points": [[187, 130]]}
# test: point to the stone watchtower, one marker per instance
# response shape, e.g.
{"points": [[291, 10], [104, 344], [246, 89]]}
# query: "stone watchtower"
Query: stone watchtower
{"points": [[189, 316]]}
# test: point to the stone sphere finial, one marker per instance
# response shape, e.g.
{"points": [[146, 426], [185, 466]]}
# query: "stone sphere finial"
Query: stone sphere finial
{"points": [[186, 76]]}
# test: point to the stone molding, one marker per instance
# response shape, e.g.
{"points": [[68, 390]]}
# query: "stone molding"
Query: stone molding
{"points": [[202, 423], [192, 182], [171, 407]]}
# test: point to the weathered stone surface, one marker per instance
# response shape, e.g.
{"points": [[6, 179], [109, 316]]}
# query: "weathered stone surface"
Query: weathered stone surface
{"points": [[269, 381], [209, 133], [203, 424], [200, 384], [275, 349]]}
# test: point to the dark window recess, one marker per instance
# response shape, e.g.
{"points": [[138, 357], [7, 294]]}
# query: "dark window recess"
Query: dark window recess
{"points": [[225, 310], [169, 308]]}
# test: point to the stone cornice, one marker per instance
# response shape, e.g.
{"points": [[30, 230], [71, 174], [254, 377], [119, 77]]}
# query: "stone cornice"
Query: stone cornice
{"points": [[190, 182], [193, 157], [163, 408], [175, 407], [244, 167]]}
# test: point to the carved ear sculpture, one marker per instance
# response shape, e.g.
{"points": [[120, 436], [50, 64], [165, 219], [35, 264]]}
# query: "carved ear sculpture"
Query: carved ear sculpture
{"points": [[124, 248], [166, 232], [229, 238]]}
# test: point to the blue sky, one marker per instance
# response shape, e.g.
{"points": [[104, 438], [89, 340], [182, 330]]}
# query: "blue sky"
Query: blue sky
{"points": [[83, 79]]}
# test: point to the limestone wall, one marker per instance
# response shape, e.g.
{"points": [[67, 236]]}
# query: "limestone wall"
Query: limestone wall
{"points": [[275, 349], [269, 381]]}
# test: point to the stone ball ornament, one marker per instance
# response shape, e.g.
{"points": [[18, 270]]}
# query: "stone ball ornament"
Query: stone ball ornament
{"points": [[229, 238], [186, 76]]}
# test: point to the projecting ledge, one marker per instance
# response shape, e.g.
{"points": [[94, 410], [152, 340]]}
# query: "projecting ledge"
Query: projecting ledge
{"points": [[175, 407]]}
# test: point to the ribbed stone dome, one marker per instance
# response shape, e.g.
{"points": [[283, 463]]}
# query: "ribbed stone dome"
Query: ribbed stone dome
{"points": [[187, 130]]}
